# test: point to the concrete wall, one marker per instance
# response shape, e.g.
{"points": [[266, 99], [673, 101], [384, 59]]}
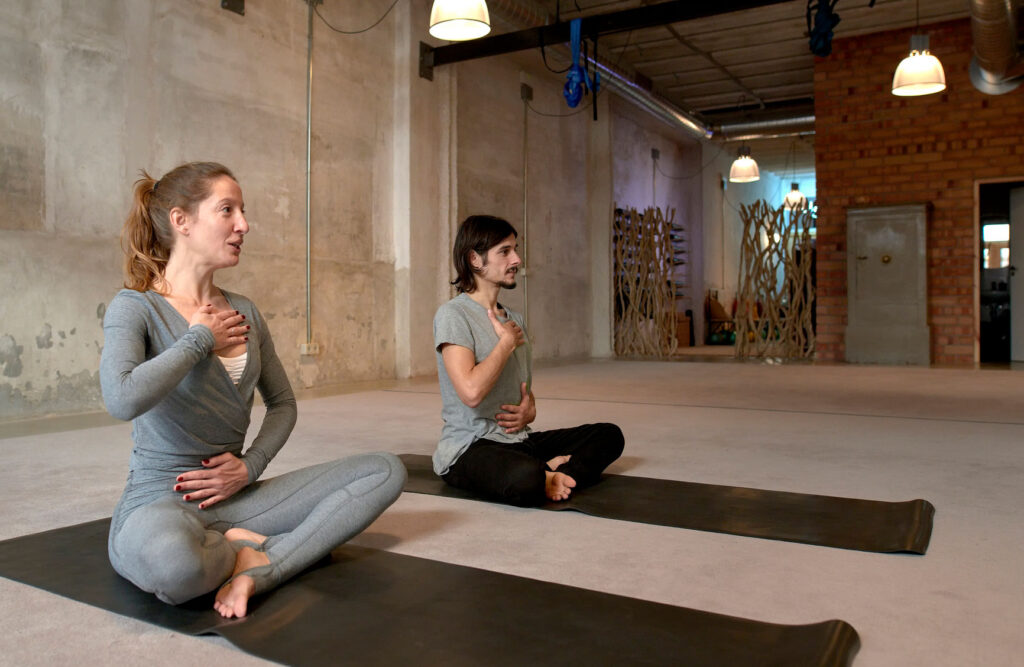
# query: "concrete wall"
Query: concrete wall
{"points": [[94, 92], [424, 217], [494, 172]]}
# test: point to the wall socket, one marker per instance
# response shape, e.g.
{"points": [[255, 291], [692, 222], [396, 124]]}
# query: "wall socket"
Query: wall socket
{"points": [[309, 349]]}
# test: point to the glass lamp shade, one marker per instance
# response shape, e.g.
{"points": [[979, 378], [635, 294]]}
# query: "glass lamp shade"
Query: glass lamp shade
{"points": [[744, 170], [794, 199], [920, 73], [459, 20]]}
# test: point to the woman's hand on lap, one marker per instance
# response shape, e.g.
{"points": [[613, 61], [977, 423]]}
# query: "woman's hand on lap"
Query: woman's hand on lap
{"points": [[221, 477]]}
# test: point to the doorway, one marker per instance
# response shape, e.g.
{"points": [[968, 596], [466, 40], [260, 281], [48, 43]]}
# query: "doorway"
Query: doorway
{"points": [[887, 291], [1001, 274]]}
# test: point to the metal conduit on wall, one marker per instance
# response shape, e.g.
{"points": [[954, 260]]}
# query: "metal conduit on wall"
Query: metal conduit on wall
{"points": [[526, 203], [309, 162]]}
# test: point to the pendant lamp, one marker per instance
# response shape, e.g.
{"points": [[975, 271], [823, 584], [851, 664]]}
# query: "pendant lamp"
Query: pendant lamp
{"points": [[744, 169], [920, 73], [794, 198], [459, 20]]}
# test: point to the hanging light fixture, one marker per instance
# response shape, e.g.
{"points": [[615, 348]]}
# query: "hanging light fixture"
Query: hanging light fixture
{"points": [[459, 20], [920, 73], [794, 198], [744, 169]]}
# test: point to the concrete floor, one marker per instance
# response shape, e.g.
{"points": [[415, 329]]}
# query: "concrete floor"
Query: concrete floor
{"points": [[954, 437]]}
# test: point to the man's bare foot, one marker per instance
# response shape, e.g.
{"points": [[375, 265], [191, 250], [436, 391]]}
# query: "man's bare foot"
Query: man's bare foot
{"points": [[233, 597], [559, 460], [245, 535], [558, 485]]}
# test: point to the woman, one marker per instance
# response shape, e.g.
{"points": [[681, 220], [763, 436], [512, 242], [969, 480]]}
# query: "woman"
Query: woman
{"points": [[181, 359]]}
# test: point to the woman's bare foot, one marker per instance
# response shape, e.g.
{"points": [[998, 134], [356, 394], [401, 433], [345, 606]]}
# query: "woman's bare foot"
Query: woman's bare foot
{"points": [[244, 535], [558, 485], [233, 597], [559, 460]]}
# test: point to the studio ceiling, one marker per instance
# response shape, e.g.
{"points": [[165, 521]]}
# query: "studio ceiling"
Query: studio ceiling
{"points": [[749, 64], [746, 66]]}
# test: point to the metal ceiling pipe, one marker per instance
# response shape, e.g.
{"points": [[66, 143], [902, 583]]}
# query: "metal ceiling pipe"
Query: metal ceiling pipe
{"points": [[996, 67], [526, 15], [766, 129], [650, 102]]}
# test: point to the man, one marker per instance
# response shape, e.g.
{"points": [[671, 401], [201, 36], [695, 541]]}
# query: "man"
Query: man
{"points": [[484, 369]]}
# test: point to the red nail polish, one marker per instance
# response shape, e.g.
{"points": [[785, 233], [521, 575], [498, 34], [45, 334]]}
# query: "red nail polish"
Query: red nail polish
{"points": [[178, 480], [247, 327], [177, 487], [247, 338], [205, 461], [202, 507], [187, 498]]}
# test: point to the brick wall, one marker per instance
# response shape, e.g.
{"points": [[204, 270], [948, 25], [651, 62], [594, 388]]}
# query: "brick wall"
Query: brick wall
{"points": [[873, 148]]}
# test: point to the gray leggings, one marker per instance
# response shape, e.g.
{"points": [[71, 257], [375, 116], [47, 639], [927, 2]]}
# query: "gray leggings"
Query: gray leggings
{"points": [[177, 551]]}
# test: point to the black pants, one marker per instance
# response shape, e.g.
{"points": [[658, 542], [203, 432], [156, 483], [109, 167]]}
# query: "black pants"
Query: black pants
{"points": [[513, 473]]}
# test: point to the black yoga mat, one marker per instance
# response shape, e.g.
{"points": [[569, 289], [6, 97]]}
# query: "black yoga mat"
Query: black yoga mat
{"points": [[369, 607], [828, 521]]}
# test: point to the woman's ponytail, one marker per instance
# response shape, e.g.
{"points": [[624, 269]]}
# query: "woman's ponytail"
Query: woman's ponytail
{"points": [[145, 252]]}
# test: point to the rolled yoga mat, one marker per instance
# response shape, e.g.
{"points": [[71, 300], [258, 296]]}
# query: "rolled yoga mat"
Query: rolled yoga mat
{"points": [[370, 607], [828, 521]]}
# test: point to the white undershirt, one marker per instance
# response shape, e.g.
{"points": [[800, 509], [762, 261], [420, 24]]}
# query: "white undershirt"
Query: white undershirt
{"points": [[235, 366]]}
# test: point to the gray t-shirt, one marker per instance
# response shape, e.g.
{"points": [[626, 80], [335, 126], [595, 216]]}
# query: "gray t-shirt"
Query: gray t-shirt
{"points": [[464, 322]]}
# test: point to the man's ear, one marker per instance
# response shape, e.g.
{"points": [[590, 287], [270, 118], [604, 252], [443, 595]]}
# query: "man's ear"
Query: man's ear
{"points": [[475, 260], [179, 220]]}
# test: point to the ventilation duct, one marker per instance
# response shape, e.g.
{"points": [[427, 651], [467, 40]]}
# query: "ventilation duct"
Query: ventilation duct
{"points": [[996, 67], [650, 102], [766, 129], [523, 15]]}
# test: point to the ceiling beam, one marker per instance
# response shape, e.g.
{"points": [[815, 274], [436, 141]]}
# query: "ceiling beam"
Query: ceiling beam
{"points": [[717, 65], [591, 26]]}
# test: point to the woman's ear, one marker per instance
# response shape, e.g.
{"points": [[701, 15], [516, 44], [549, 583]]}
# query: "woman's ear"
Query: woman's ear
{"points": [[179, 220]]}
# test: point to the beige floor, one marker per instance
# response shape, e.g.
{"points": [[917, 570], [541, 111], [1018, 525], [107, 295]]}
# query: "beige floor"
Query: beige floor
{"points": [[951, 436]]}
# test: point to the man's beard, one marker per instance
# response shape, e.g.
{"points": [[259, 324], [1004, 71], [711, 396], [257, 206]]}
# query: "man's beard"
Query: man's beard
{"points": [[509, 283]]}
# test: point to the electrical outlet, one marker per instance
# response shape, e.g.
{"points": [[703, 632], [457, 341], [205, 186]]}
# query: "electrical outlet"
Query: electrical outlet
{"points": [[309, 349]]}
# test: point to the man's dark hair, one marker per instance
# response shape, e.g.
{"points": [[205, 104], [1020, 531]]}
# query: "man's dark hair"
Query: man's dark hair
{"points": [[478, 233]]}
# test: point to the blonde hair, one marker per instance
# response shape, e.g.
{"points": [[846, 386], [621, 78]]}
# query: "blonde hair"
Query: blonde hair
{"points": [[147, 237]]}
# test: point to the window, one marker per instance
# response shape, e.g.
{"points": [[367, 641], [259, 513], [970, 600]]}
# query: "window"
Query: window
{"points": [[996, 245]]}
